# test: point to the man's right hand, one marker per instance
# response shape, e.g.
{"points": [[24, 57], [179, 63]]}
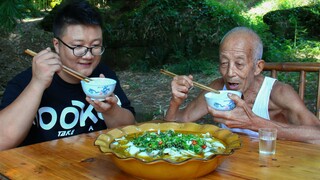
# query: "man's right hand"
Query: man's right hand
{"points": [[44, 65], [180, 87]]}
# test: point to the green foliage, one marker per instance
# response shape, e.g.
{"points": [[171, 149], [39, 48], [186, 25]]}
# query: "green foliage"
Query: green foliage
{"points": [[234, 6], [179, 31], [9, 14], [287, 22], [171, 30], [287, 4], [295, 39], [287, 50], [13, 11]]}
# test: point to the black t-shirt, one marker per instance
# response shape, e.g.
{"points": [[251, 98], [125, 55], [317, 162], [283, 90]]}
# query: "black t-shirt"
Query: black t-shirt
{"points": [[63, 110]]}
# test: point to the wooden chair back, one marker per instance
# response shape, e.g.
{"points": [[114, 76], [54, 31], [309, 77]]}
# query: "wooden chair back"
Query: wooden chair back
{"points": [[302, 68]]}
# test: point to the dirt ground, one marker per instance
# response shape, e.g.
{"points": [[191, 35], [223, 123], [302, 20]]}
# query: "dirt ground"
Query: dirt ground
{"points": [[149, 92]]}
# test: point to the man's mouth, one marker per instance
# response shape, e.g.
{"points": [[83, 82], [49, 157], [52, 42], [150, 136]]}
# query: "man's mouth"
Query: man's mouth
{"points": [[233, 86], [85, 64]]}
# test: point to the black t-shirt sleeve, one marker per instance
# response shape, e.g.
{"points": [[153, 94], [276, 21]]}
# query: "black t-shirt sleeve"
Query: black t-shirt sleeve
{"points": [[15, 86]]}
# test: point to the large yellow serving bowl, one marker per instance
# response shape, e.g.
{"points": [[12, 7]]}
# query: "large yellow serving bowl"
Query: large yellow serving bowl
{"points": [[165, 169]]}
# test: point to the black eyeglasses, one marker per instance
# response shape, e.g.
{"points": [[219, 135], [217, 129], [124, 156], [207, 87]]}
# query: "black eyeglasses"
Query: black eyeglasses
{"points": [[80, 51]]}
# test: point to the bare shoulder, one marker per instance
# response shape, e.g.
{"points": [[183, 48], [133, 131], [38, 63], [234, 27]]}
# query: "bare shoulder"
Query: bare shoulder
{"points": [[283, 93], [286, 101]]}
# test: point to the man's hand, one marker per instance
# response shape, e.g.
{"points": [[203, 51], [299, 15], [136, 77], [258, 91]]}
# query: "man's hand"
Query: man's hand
{"points": [[180, 87], [240, 117], [44, 65], [106, 106]]}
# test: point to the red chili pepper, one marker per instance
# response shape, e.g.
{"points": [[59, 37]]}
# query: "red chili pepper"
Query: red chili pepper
{"points": [[204, 146], [194, 142]]}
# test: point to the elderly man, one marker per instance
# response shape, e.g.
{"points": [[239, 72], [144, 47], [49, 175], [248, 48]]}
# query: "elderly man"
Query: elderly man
{"points": [[266, 102]]}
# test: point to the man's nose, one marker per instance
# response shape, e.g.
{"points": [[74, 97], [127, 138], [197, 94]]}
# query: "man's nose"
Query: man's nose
{"points": [[231, 71], [88, 55]]}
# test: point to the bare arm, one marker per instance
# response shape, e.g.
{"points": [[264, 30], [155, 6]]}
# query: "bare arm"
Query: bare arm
{"points": [[196, 109], [297, 123], [192, 112], [17, 118], [305, 133]]}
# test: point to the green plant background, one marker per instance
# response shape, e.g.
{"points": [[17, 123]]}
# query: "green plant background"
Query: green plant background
{"points": [[184, 36]]}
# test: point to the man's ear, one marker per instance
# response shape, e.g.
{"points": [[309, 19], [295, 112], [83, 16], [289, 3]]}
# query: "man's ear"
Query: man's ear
{"points": [[259, 67], [55, 42]]}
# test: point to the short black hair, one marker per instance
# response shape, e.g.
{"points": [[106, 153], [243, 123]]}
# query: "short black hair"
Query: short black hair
{"points": [[73, 12]]}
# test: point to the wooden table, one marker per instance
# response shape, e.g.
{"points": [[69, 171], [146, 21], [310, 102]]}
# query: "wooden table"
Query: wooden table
{"points": [[77, 158]]}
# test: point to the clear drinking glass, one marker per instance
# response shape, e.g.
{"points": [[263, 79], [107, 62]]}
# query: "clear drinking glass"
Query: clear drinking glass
{"points": [[267, 141]]}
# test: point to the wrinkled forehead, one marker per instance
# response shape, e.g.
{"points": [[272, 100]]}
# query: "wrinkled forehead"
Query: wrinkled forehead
{"points": [[239, 43]]}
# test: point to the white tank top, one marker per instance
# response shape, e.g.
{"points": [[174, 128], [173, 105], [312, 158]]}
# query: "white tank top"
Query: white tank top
{"points": [[260, 106]]}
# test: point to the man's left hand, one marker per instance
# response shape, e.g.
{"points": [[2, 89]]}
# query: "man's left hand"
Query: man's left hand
{"points": [[240, 117], [104, 106]]}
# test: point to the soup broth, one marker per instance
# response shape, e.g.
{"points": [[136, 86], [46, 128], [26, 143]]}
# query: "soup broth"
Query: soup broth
{"points": [[168, 145]]}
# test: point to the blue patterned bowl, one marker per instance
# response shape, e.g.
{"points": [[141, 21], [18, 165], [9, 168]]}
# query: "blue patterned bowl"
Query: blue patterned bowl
{"points": [[98, 88], [221, 101]]}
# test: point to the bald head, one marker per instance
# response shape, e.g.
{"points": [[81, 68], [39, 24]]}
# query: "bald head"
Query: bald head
{"points": [[243, 36]]}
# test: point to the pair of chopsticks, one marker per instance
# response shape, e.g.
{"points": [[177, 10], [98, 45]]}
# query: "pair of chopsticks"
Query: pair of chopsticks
{"points": [[201, 86], [65, 68]]}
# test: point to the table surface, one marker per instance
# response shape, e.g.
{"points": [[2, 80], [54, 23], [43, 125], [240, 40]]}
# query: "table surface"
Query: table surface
{"points": [[77, 158]]}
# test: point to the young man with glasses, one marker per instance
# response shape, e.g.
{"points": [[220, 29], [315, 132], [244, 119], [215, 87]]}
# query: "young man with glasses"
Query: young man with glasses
{"points": [[45, 103]]}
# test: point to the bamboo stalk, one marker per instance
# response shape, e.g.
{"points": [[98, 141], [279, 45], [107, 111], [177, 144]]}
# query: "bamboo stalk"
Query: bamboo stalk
{"points": [[65, 68], [201, 86]]}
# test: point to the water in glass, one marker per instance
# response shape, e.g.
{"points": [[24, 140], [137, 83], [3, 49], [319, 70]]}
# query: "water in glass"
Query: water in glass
{"points": [[267, 145]]}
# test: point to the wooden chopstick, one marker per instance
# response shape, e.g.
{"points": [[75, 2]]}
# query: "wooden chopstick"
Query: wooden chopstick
{"points": [[65, 68], [201, 86]]}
